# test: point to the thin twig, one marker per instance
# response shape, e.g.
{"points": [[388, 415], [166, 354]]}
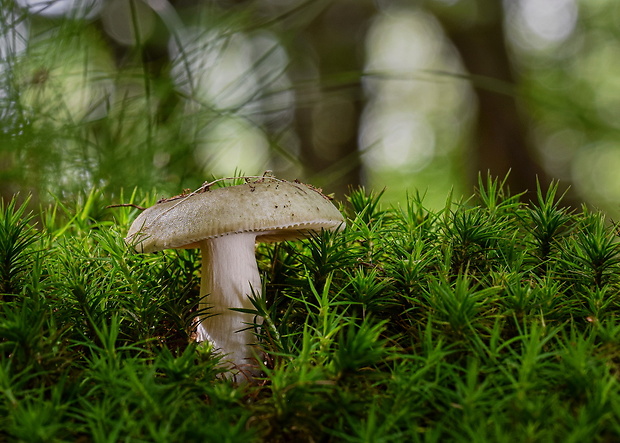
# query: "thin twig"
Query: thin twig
{"points": [[125, 205]]}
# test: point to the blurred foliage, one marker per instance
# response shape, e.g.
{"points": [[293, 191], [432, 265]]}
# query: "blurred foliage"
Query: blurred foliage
{"points": [[163, 95]]}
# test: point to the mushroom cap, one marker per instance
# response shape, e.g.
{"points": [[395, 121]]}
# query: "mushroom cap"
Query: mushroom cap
{"points": [[276, 210]]}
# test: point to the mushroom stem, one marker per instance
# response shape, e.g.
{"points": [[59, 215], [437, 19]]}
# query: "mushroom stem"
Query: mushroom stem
{"points": [[229, 275]]}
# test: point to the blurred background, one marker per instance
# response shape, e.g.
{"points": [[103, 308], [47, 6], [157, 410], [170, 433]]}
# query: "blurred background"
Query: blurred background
{"points": [[401, 95]]}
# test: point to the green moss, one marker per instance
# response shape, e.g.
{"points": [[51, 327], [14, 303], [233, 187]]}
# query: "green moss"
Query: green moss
{"points": [[483, 321]]}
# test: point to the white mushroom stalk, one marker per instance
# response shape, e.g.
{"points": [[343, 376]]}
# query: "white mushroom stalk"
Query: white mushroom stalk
{"points": [[225, 223], [229, 275]]}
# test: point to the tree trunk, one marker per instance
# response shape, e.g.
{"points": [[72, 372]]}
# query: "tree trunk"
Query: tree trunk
{"points": [[330, 99], [501, 142]]}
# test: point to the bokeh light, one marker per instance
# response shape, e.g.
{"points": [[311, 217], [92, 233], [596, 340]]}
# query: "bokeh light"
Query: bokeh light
{"points": [[419, 109]]}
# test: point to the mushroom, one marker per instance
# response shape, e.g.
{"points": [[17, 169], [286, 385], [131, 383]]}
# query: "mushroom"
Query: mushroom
{"points": [[225, 223]]}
